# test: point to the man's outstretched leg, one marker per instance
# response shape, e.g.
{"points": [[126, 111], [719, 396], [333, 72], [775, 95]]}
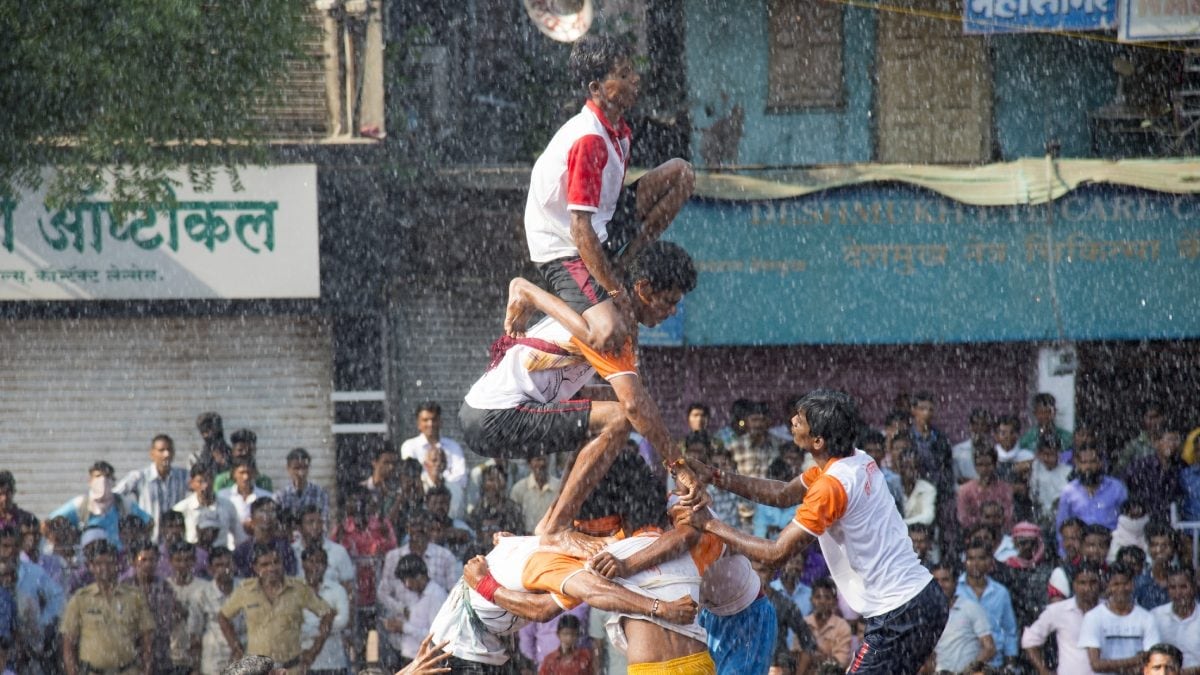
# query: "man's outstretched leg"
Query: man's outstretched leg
{"points": [[610, 430]]}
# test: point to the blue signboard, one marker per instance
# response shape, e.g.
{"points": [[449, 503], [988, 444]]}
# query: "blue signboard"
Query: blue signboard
{"points": [[900, 265], [1024, 16]]}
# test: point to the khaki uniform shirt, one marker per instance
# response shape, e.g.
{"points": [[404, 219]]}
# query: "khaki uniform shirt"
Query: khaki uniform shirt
{"points": [[273, 629], [108, 628]]}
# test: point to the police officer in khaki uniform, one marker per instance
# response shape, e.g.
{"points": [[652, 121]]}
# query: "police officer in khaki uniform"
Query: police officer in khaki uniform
{"points": [[104, 624]]}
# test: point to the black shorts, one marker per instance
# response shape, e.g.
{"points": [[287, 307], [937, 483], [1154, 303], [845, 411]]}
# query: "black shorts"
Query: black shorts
{"points": [[901, 640], [529, 430], [569, 278]]}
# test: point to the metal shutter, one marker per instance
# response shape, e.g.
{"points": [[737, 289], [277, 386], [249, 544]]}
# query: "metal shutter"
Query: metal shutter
{"points": [[78, 390]]}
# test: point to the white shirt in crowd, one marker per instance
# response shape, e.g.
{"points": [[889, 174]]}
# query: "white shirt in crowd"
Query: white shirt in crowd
{"points": [[333, 653], [417, 610], [443, 568], [1063, 619], [226, 516], [1045, 485], [456, 461], [962, 639], [1118, 637], [242, 506], [1183, 633], [340, 569]]}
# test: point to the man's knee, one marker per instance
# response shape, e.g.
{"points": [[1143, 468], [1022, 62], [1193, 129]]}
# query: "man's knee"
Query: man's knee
{"points": [[680, 175]]}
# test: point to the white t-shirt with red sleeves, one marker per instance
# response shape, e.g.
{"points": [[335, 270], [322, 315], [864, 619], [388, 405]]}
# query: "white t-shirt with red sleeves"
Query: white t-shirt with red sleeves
{"points": [[581, 169], [850, 511]]}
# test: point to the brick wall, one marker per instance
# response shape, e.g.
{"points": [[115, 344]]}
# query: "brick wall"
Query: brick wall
{"points": [[999, 377]]}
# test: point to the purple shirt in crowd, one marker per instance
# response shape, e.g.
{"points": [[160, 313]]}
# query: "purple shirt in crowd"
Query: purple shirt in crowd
{"points": [[1103, 508]]}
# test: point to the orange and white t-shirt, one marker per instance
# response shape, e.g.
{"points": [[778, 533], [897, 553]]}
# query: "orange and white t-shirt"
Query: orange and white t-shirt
{"points": [[851, 513], [548, 364]]}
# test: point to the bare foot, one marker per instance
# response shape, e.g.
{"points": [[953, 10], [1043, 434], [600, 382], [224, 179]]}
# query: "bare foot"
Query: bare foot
{"points": [[574, 544], [517, 313]]}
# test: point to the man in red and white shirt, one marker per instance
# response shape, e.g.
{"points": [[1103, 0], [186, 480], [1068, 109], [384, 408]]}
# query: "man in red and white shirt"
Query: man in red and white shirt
{"points": [[575, 222], [844, 504]]}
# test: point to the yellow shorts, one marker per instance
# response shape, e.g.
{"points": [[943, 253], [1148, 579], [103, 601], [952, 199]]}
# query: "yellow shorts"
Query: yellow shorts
{"points": [[699, 663]]}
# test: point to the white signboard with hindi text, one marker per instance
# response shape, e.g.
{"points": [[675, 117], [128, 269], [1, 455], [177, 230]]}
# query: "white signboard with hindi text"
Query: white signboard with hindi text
{"points": [[257, 242], [1154, 20]]}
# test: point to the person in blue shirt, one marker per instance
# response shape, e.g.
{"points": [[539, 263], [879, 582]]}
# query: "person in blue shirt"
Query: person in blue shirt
{"points": [[976, 585], [100, 506]]}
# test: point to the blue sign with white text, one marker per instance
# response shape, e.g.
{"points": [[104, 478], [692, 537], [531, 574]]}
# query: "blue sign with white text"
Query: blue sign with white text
{"points": [[1025, 16], [896, 264]]}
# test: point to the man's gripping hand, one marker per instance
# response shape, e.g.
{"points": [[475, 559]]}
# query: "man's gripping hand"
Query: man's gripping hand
{"points": [[607, 565], [696, 518], [475, 570], [679, 611], [689, 488]]}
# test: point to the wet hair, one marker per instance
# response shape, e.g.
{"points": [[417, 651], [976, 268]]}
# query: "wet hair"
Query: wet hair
{"points": [[593, 58], [429, 406], [780, 470], [102, 467], [164, 438], [218, 552], [1073, 521], [411, 565], [312, 551], [923, 395], [200, 469], [664, 266], [568, 621], [1044, 399], [7, 482], [9, 532], [986, 451], [438, 491], [98, 548], [495, 468], [182, 547], [1175, 567], [868, 436], [831, 415], [1049, 441], [920, 527], [209, 421], [250, 665], [141, 547], [1118, 569], [409, 468], [175, 517], [825, 583], [243, 436], [949, 565], [976, 542], [701, 407], [244, 460], [1158, 528], [980, 415], [1010, 421], [630, 490], [897, 416], [298, 455], [263, 503], [1168, 650], [1097, 529], [261, 549], [1126, 552]]}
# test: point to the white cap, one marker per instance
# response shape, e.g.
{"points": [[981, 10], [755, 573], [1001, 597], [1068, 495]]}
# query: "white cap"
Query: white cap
{"points": [[729, 585], [92, 534]]}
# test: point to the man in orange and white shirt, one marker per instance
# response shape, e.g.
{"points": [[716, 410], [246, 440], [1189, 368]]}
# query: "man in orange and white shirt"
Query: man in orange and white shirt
{"points": [[532, 402], [845, 505]]}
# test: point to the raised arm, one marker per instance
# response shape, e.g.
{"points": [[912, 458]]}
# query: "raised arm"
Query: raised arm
{"points": [[774, 553], [642, 412], [761, 490]]}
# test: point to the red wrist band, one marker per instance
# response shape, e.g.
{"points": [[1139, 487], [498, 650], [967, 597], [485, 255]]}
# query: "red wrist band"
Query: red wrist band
{"points": [[487, 587]]}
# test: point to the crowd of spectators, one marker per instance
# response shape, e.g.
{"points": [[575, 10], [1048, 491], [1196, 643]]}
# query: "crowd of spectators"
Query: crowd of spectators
{"points": [[1056, 553]]}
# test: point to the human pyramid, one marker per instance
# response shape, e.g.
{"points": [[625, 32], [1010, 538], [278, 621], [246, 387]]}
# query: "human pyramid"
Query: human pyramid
{"points": [[684, 588]]}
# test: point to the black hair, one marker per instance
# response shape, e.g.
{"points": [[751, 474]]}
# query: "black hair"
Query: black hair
{"points": [[261, 549], [831, 415], [200, 469], [243, 436], [664, 266], [9, 532], [7, 482], [701, 407], [780, 470], [1011, 421], [307, 509], [630, 490], [171, 516], [897, 416], [948, 565], [1131, 550], [165, 438], [976, 542], [98, 548], [219, 552], [314, 550], [181, 547], [263, 503], [1097, 529], [438, 491], [1049, 441], [593, 58], [298, 455], [411, 565], [1168, 650], [980, 415], [825, 583], [986, 451], [1044, 399], [868, 436], [409, 468], [429, 406], [922, 395], [209, 420], [569, 621], [244, 460], [495, 467], [140, 547], [1175, 567], [919, 527], [1158, 528], [1119, 569], [1074, 521], [104, 468]]}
